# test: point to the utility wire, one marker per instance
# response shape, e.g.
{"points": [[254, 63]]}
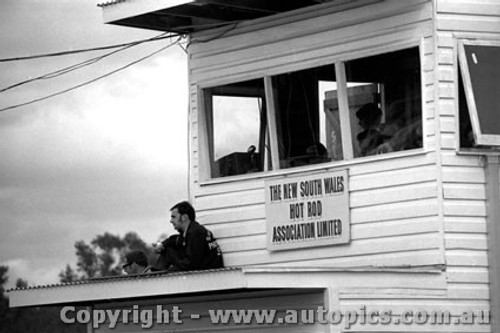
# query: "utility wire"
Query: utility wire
{"points": [[91, 81], [62, 53], [219, 35], [79, 65], [65, 70]]}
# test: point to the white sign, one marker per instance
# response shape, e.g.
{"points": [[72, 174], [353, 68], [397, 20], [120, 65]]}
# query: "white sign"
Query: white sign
{"points": [[307, 211]]}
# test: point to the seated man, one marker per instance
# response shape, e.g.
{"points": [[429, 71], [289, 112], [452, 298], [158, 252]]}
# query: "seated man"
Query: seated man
{"points": [[136, 263], [194, 248], [369, 116]]}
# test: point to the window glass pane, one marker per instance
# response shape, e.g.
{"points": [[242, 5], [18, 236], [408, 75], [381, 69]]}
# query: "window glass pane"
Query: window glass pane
{"points": [[466, 133], [484, 69], [385, 102], [238, 128], [236, 124], [330, 130], [307, 117]]}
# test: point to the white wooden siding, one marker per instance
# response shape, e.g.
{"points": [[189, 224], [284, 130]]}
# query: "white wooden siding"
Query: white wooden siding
{"points": [[463, 176], [394, 201], [391, 211], [307, 43]]}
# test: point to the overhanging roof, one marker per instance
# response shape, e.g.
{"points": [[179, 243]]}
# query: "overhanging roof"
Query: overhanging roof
{"points": [[164, 284], [187, 16], [128, 286]]}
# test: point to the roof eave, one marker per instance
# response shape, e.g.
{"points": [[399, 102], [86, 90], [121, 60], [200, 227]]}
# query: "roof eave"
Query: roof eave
{"points": [[226, 279], [128, 12], [124, 288]]}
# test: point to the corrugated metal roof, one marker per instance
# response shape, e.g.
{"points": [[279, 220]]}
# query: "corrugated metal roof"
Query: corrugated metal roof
{"points": [[109, 2], [129, 287], [108, 279], [179, 284]]}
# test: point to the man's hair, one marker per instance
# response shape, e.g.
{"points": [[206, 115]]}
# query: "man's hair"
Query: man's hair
{"points": [[185, 207], [370, 113], [137, 257]]}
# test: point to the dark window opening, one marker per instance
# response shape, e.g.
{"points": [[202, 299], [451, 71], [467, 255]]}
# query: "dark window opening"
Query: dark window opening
{"points": [[312, 112], [479, 100], [484, 69], [307, 125], [385, 102], [466, 133]]}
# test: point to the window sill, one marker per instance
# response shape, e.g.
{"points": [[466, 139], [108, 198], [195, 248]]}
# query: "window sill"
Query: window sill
{"points": [[315, 167], [478, 151]]}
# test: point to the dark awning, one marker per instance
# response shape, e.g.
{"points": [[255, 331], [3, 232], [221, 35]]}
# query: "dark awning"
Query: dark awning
{"points": [[187, 16]]}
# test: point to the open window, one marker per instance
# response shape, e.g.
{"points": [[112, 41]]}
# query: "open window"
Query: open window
{"points": [[479, 99], [307, 125], [385, 102], [318, 115], [236, 116]]}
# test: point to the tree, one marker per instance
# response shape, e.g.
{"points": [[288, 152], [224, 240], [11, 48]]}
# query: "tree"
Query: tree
{"points": [[87, 261], [20, 283], [30, 320], [104, 256], [110, 247], [3, 277], [4, 302], [68, 275]]}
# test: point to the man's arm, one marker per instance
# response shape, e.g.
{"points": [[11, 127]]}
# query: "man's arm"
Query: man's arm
{"points": [[195, 251]]}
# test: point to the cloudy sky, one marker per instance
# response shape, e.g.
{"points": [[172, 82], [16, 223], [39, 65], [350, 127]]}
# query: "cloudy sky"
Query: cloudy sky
{"points": [[110, 156]]}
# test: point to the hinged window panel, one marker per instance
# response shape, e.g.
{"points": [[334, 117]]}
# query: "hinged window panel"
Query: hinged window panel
{"points": [[480, 75]]}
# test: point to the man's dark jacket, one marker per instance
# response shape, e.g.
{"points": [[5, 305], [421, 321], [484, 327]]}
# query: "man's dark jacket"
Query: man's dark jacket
{"points": [[197, 250]]}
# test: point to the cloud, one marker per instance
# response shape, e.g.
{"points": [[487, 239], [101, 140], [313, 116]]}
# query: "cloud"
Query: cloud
{"points": [[111, 156], [27, 269], [110, 163]]}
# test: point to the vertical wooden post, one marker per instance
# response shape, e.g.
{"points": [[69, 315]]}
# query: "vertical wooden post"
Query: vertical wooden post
{"points": [[493, 234], [345, 121], [332, 303], [271, 121], [206, 165]]}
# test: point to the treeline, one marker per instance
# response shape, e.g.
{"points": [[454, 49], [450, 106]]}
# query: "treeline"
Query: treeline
{"points": [[102, 257]]}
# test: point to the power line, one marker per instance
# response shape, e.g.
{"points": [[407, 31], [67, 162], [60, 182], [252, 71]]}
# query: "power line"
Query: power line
{"points": [[62, 53], [85, 63], [230, 27], [91, 81], [65, 70]]}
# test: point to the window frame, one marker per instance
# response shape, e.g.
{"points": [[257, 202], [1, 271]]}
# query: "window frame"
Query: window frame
{"points": [[480, 138], [206, 133], [272, 153]]}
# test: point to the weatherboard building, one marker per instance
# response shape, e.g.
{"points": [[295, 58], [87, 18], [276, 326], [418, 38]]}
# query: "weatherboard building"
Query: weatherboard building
{"points": [[344, 153]]}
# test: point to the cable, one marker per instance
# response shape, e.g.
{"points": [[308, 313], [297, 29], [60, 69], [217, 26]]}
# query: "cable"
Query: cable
{"points": [[219, 35], [90, 81], [65, 70], [57, 54], [78, 65], [205, 26], [62, 53]]}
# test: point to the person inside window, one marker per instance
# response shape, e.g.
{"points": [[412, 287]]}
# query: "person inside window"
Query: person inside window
{"points": [[400, 132], [370, 138], [252, 159]]}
